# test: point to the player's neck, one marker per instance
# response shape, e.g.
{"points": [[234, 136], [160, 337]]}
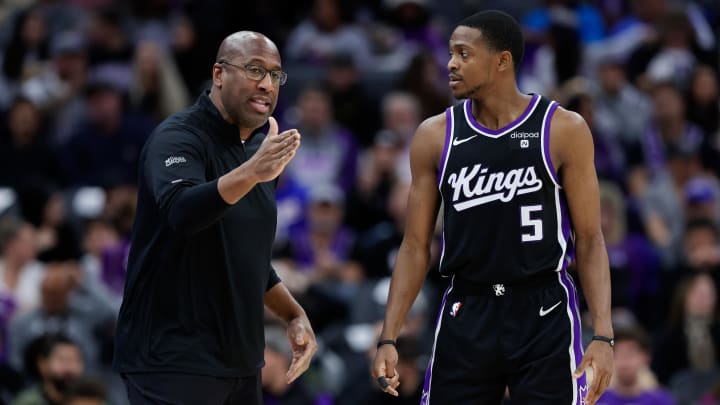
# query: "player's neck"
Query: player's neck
{"points": [[499, 108]]}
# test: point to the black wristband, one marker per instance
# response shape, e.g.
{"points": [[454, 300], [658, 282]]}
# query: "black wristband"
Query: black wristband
{"points": [[608, 340], [387, 342]]}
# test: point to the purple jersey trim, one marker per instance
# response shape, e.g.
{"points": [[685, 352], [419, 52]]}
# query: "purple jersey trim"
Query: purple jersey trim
{"points": [[501, 131], [449, 124], [546, 142]]}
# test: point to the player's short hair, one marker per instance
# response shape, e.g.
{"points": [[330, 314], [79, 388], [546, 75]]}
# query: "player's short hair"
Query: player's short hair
{"points": [[501, 32]]}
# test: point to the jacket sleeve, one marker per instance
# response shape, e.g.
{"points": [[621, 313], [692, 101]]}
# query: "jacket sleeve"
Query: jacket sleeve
{"points": [[174, 167], [273, 279]]}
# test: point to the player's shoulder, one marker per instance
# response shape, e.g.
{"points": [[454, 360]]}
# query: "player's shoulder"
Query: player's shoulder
{"points": [[432, 128], [433, 123], [565, 121]]}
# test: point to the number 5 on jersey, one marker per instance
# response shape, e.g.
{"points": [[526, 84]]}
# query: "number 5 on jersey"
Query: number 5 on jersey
{"points": [[536, 225]]}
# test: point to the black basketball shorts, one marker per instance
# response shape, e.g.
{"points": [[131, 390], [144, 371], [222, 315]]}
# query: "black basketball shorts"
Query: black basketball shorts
{"points": [[525, 337]]}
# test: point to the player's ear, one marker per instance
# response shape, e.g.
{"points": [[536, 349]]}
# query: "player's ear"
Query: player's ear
{"points": [[504, 61], [217, 74]]}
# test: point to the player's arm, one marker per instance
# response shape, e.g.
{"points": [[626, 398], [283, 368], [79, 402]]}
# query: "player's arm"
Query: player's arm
{"points": [[572, 150], [413, 257], [302, 338]]}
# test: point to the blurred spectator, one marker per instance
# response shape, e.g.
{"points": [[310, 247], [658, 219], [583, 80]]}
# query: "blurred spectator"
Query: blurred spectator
{"points": [[27, 162], [701, 247], [634, 263], [367, 201], [187, 54], [28, 46], [20, 273], [351, 106], [558, 57], [620, 110], [157, 89], [702, 199], [318, 38], [276, 390], [691, 340], [329, 152], [60, 364], [661, 203], [321, 248], [407, 27], [56, 238], [108, 41], [668, 129], [610, 159], [428, 83], [633, 383], [58, 313], [672, 53], [100, 242], [703, 105], [376, 249], [85, 392], [106, 147], [588, 18], [292, 202], [57, 89]]}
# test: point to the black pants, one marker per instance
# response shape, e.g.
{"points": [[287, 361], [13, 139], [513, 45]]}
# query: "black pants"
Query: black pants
{"points": [[190, 389], [490, 337]]}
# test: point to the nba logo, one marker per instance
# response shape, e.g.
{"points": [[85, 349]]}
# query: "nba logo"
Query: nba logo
{"points": [[455, 308], [524, 143]]}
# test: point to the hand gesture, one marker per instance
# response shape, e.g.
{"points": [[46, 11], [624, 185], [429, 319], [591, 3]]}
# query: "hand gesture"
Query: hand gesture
{"points": [[303, 344], [275, 152], [599, 356], [384, 369]]}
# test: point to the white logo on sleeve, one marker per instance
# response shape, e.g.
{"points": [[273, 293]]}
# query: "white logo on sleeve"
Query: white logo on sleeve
{"points": [[544, 312], [174, 160]]}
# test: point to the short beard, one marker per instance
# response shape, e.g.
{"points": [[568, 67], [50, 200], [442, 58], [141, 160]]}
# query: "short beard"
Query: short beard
{"points": [[469, 93]]}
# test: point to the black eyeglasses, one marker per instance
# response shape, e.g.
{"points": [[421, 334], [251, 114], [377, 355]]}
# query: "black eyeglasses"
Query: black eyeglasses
{"points": [[258, 73]]}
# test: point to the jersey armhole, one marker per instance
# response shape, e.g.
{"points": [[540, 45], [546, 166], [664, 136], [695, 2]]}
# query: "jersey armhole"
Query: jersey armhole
{"points": [[545, 135], [449, 130]]}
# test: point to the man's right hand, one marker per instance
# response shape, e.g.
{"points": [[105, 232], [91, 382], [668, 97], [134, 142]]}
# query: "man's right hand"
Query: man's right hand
{"points": [[384, 365], [275, 152]]}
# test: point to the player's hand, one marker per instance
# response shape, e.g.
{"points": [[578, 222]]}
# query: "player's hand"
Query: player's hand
{"points": [[275, 152], [303, 344], [384, 369], [599, 356]]}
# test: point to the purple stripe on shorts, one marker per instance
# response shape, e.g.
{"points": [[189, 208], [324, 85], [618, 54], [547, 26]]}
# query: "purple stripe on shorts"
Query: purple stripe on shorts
{"points": [[546, 142], [448, 135], [577, 348], [476, 125], [428, 372]]}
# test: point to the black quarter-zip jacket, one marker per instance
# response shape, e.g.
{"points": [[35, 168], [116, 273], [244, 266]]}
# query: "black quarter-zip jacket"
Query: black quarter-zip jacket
{"points": [[198, 268]]}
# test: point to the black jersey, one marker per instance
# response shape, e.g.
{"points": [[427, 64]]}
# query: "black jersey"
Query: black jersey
{"points": [[505, 214]]}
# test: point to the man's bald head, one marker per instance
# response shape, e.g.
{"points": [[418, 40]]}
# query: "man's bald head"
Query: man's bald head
{"points": [[242, 42]]}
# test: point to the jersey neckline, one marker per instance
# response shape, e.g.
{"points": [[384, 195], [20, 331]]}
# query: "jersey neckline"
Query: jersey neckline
{"points": [[496, 133]]}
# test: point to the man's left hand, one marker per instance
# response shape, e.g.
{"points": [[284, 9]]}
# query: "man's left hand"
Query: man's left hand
{"points": [[599, 356], [303, 344]]}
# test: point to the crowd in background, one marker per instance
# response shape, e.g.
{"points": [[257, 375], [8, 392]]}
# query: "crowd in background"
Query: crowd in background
{"points": [[84, 82]]}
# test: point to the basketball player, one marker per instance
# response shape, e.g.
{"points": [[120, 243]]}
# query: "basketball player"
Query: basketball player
{"points": [[515, 173]]}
